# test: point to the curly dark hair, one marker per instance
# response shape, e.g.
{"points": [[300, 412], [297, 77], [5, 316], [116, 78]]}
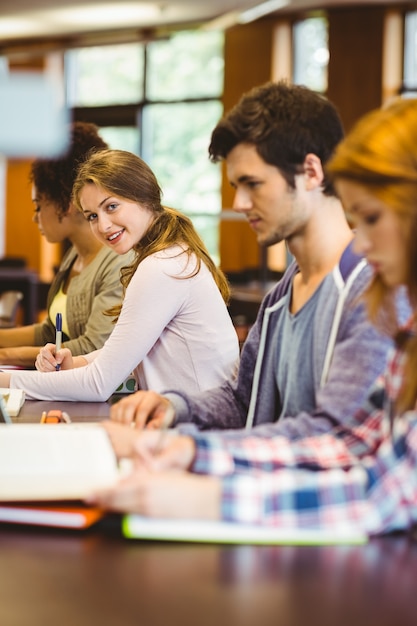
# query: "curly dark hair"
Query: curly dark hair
{"points": [[55, 178], [284, 122]]}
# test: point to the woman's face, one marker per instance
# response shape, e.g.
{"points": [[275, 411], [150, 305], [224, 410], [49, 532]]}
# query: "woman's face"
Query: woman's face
{"points": [[118, 223], [46, 217], [380, 234]]}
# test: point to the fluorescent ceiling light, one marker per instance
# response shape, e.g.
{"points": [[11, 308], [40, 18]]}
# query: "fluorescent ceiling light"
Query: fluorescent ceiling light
{"points": [[11, 26], [108, 14], [260, 10], [80, 18]]}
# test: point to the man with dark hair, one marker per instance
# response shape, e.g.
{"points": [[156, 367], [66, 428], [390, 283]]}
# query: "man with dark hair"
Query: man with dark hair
{"points": [[312, 354]]}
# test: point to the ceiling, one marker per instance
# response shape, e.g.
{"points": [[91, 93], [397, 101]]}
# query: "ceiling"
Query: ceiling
{"points": [[31, 20]]}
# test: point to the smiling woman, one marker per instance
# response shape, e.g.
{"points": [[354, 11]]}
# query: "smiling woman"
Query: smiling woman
{"points": [[173, 327], [88, 279]]}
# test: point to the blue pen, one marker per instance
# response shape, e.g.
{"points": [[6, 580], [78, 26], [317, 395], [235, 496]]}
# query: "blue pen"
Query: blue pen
{"points": [[58, 335]]}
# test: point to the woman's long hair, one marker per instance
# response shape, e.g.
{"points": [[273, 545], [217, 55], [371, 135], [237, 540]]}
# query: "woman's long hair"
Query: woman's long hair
{"points": [[127, 176], [380, 153]]}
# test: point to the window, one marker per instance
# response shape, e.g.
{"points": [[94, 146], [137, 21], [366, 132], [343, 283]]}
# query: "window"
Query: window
{"points": [[311, 53], [160, 100], [410, 55]]}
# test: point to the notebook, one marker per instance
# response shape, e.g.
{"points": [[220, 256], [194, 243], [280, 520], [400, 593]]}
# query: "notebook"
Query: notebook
{"points": [[138, 527], [40, 462], [61, 515], [4, 414], [13, 400]]}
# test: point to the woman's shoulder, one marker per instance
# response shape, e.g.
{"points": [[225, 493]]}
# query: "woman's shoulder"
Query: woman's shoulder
{"points": [[176, 259]]}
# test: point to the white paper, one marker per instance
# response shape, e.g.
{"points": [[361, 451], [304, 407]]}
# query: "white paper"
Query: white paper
{"points": [[54, 461]]}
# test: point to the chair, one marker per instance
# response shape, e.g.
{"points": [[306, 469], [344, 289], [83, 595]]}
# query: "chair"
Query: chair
{"points": [[9, 304]]}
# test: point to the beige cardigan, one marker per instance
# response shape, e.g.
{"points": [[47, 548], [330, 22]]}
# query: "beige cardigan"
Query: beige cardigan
{"points": [[96, 289]]}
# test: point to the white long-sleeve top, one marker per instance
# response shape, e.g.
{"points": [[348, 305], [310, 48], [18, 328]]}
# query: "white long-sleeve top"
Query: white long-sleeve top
{"points": [[172, 331]]}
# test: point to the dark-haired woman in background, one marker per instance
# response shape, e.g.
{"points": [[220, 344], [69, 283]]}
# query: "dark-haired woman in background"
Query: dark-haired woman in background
{"points": [[173, 327], [88, 280]]}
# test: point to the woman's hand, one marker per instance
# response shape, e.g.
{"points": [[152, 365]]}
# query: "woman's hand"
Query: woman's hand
{"points": [[47, 359]]}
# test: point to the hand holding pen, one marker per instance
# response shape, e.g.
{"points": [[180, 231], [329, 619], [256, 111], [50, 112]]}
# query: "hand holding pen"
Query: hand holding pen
{"points": [[58, 336]]}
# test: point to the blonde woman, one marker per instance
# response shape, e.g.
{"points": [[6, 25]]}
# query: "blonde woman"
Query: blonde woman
{"points": [[88, 279], [173, 326]]}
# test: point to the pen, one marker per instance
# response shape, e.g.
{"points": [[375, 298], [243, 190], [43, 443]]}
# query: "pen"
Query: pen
{"points": [[58, 335]]}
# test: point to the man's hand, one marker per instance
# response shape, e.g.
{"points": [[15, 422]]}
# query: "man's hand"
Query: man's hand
{"points": [[156, 450], [144, 409]]}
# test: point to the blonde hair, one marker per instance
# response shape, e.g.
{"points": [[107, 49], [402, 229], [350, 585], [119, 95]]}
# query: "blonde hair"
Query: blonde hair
{"points": [[380, 153], [127, 176]]}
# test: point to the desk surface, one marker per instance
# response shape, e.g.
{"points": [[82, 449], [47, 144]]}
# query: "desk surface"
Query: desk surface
{"points": [[32, 410], [95, 577], [49, 578]]}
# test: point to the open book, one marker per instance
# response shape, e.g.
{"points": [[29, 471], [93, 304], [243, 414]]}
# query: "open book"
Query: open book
{"points": [[13, 400], [41, 462], [52, 464]]}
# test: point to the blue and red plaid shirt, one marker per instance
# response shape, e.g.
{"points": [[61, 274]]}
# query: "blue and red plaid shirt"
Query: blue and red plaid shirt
{"points": [[365, 475]]}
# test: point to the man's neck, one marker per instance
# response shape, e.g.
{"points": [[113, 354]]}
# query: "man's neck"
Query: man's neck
{"points": [[318, 249]]}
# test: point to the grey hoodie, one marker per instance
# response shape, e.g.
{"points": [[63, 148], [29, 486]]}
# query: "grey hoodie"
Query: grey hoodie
{"points": [[349, 354]]}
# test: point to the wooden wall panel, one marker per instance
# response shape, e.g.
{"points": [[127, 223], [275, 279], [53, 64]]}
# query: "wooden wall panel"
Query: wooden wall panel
{"points": [[22, 234], [355, 64], [248, 60]]}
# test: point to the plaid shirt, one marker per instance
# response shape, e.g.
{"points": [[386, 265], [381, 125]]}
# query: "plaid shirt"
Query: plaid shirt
{"points": [[366, 475]]}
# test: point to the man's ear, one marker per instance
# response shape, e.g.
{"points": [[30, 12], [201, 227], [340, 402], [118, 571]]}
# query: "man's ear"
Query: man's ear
{"points": [[313, 171]]}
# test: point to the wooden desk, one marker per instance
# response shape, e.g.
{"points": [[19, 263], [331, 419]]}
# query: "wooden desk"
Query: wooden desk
{"points": [[49, 578], [96, 578], [32, 410]]}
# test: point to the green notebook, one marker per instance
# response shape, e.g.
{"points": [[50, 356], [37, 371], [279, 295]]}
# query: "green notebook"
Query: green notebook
{"points": [[138, 527]]}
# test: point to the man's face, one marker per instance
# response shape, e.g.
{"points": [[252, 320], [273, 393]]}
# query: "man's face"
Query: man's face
{"points": [[273, 209]]}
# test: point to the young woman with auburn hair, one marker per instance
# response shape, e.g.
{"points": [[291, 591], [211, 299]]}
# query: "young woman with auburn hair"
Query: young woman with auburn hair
{"points": [[173, 327]]}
